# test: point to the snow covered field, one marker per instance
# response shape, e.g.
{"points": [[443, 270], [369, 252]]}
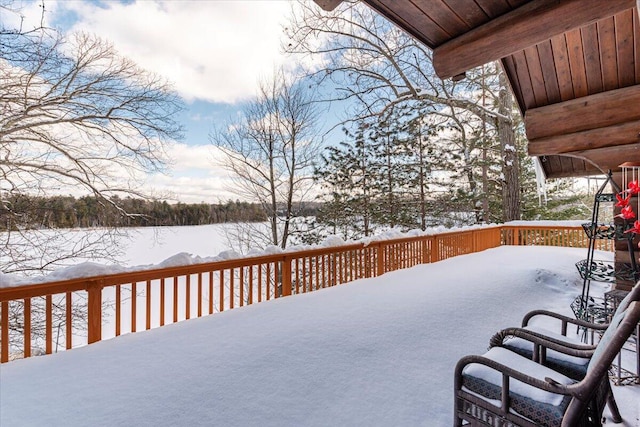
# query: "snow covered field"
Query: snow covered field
{"points": [[374, 352]]}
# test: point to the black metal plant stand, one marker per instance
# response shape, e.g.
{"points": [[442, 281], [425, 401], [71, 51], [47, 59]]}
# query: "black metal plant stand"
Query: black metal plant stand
{"points": [[584, 307]]}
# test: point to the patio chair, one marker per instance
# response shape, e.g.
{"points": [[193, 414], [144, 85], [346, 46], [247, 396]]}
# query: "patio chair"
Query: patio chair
{"points": [[565, 354], [503, 388], [526, 340]]}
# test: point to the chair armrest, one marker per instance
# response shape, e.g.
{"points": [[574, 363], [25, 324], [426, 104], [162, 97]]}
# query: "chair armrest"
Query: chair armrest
{"points": [[564, 319], [571, 349], [547, 385]]}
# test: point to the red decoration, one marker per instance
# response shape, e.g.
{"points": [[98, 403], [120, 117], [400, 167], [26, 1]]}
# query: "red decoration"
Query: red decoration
{"points": [[634, 188], [622, 201], [627, 213], [635, 229]]}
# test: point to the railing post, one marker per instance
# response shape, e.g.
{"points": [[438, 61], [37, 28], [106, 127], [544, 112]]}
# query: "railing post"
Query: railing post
{"points": [[286, 277], [380, 250], [4, 332], [94, 311]]}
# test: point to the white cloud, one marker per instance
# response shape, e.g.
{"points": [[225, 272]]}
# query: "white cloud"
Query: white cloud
{"points": [[194, 176], [214, 51], [210, 50]]}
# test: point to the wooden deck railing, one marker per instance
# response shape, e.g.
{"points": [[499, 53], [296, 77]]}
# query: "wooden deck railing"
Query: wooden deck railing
{"points": [[56, 316], [532, 235]]}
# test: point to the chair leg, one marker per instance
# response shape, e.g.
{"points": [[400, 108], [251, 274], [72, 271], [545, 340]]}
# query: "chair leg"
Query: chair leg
{"points": [[613, 407]]}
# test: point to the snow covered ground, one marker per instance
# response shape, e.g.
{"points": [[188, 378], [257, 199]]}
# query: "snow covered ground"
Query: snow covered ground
{"points": [[374, 352]]}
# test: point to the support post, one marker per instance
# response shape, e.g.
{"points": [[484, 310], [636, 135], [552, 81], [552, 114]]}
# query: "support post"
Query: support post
{"points": [[380, 259], [94, 311], [286, 277], [4, 332]]}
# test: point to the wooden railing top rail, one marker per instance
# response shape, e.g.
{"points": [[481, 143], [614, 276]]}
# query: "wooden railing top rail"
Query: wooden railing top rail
{"points": [[75, 284], [543, 227], [145, 298]]}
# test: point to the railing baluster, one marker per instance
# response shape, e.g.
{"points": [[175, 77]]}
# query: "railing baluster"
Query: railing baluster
{"points": [[27, 328], [118, 310], [134, 317], [48, 324], [175, 299], [241, 287], [148, 306], [68, 321], [162, 300], [268, 281], [231, 288], [199, 294], [251, 284], [187, 298], [211, 302], [221, 299], [297, 267], [259, 282], [352, 266]]}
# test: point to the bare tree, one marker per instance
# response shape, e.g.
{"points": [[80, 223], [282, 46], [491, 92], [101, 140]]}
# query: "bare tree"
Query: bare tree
{"points": [[74, 115], [270, 149]]}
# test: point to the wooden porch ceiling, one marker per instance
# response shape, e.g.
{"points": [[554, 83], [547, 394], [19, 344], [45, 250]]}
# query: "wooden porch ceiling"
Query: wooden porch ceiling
{"points": [[573, 65]]}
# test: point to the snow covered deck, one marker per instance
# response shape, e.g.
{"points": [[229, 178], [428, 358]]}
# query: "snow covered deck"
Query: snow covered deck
{"points": [[377, 351]]}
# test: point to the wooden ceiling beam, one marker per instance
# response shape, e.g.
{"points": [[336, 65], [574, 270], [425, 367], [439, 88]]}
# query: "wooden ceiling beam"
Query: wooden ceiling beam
{"points": [[618, 134], [609, 158], [530, 24], [588, 112]]}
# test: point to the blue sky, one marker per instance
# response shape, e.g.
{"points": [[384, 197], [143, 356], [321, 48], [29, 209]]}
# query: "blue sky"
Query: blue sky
{"points": [[214, 52]]}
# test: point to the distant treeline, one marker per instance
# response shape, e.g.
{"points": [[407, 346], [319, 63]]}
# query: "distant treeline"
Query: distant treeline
{"points": [[22, 211]]}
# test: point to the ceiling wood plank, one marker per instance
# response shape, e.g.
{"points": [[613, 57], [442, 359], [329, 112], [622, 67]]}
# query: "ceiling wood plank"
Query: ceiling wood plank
{"points": [[537, 79], [636, 44], [493, 8], [581, 168], [516, 3], [408, 17], [592, 58], [566, 164], [577, 164], [524, 80], [574, 174], [608, 53], [532, 23], [589, 112], [469, 12], [563, 69], [547, 64], [576, 62], [439, 12], [619, 134], [553, 163], [624, 42]]}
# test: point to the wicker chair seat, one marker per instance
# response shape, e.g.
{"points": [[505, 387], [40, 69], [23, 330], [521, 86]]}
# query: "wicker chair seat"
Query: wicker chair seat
{"points": [[572, 366], [539, 406]]}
